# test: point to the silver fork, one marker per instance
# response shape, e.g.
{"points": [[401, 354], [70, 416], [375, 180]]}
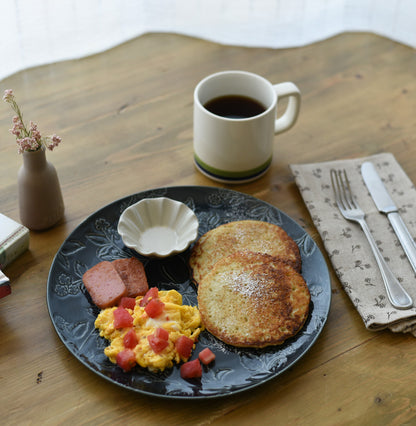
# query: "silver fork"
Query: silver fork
{"points": [[350, 210]]}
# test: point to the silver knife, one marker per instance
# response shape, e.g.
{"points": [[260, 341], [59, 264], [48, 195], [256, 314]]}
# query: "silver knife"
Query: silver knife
{"points": [[386, 205]]}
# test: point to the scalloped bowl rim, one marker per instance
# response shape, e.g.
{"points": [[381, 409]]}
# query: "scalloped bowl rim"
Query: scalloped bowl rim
{"points": [[136, 220]]}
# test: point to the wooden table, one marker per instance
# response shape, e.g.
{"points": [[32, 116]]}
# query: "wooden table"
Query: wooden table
{"points": [[125, 117]]}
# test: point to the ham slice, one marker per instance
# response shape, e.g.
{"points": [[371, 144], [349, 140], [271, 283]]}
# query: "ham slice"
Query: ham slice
{"points": [[133, 275], [107, 282], [104, 284]]}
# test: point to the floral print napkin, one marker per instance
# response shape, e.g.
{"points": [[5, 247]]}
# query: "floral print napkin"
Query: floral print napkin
{"points": [[346, 244]]}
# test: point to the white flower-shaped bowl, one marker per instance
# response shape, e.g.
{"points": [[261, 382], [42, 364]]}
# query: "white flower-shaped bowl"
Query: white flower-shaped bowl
{"points": [[158, 227]]}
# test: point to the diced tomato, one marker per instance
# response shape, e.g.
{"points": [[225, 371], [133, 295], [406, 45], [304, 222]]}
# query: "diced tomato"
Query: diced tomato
{"points": [[126, 359], [162, 333], [152, 293], [184, 346], [206, 356], [122, 318], [130, 339], [127, 302], [191, 369], [154, 308], [157, 344]]}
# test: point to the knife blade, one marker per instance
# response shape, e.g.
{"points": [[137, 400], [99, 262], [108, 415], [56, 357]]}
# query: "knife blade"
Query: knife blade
{"points": [[386, 205]]}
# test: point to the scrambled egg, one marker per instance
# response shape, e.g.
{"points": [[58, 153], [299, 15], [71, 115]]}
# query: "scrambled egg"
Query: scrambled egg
{"points": [[178, 319]]}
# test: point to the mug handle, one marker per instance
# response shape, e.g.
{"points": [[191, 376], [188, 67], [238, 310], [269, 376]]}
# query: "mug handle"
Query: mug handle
{"points": [[288, 119]]}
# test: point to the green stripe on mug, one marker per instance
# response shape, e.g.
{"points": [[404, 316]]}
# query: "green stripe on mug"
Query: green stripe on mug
{"points": [[225, 174]]}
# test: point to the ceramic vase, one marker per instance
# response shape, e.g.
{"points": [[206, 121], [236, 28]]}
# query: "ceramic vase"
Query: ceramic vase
{"points": [[40, 198]]}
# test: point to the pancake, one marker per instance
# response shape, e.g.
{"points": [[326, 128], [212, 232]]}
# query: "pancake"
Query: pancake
{"points": [[251, 235], [253, 300]]}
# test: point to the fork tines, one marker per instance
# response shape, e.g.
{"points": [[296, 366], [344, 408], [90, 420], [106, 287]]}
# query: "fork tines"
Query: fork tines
{"points": [[342, 189]]}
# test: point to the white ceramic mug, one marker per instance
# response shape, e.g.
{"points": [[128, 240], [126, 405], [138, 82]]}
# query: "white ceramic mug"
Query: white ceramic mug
{"points": [[237, 150]]}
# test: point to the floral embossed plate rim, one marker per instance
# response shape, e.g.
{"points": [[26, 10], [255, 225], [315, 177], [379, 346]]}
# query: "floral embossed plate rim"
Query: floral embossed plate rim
{"points": [[235, 369]]}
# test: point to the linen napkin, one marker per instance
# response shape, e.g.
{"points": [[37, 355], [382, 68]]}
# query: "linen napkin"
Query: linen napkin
{"points": [[346, 244]]}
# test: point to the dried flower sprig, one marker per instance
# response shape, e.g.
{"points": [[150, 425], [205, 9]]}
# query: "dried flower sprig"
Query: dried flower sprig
{"points": [[28, 139]]}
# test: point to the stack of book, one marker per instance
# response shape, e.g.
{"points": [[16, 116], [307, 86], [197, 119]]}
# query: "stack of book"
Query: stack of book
{"points": [[14, 240]]}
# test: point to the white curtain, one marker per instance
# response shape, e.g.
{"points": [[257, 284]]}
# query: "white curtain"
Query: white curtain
{"points": [[35, 32]]}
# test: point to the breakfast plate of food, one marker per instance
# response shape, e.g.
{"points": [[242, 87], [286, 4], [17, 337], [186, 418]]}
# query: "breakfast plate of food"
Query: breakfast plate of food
{"points": [[206, 274]]}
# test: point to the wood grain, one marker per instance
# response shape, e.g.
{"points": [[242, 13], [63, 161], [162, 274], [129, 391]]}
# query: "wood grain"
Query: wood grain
{"points": [[125, 117]]}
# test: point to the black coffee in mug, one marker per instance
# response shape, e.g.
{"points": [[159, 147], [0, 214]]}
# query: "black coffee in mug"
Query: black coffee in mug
{"points": [[234, 106]]}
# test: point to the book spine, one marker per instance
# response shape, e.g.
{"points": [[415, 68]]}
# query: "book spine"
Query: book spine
{"points": [[14, 246]]}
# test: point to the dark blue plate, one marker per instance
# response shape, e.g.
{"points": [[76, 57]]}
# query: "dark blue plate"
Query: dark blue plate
{"points": [[235, 369]]}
